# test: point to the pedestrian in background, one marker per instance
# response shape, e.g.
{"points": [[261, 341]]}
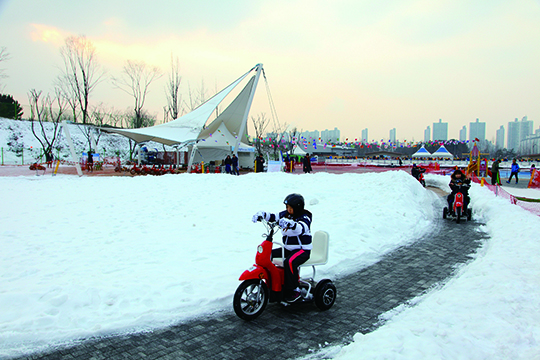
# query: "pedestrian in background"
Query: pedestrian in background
{"points": [[235, 169], [514, 171], [306, 164], [495, 173], [228, 163], [90, 162]]}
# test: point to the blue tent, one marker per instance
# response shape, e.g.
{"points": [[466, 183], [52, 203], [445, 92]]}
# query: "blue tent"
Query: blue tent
{"points": [[442, 153], [422, 153]]}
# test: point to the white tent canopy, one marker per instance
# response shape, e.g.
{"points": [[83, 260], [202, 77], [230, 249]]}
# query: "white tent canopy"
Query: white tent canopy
{"points": [[220, 137], [220, 144], [422, 152], [442, 153], [186, 128], [299, 151]]}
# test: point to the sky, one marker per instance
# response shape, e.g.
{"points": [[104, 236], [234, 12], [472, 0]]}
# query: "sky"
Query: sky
{"points": [[345, 64]]}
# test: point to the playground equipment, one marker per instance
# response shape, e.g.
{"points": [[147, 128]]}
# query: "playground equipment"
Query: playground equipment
{"points": [[478, 164]]}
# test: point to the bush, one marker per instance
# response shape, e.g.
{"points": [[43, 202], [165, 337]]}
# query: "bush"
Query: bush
{"points": [[9, 108]]}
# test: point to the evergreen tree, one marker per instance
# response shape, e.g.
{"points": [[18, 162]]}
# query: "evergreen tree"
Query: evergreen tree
{"points": [[9, 108]]}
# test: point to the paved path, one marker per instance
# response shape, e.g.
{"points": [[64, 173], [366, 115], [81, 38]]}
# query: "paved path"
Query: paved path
{"points": [[298, 331]]}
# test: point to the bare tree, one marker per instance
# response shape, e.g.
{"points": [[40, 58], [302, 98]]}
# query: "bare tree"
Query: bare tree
{"points": [[260, 124], [135, 81], [4, 56], [172, 91], [46, 110], [196, 97], [292, 139], [80, 75], [97, 117], [277, 137]]}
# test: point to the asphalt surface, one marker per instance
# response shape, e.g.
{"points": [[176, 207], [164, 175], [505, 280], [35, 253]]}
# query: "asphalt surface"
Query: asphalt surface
{"points": [[302, 330]]}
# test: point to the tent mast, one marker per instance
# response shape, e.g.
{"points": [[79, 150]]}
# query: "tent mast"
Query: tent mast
{"points": [[246, 112]]}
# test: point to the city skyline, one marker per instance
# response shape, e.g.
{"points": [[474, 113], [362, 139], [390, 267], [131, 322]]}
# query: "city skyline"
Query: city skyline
{"points": [[347, 64], [477, 130]]}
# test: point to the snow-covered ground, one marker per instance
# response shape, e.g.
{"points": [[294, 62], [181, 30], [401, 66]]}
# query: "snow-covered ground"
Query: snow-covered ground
{"points": [[96, 256], [490, 310], [19, 146], [88, 256]]}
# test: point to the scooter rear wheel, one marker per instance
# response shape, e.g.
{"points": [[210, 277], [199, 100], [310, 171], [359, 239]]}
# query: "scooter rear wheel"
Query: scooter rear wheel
{"points": [[325, 294], [250, 299]]}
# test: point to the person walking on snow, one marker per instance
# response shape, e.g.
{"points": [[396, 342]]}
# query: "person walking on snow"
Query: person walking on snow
{"points": [[514, 171], [90, 162], [495, 173], [295, 223], [228, 163], [306, 161], [235, 165]]}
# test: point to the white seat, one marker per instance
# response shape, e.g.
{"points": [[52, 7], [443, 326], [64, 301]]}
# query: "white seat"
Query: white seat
{"points": [[319, 253]]}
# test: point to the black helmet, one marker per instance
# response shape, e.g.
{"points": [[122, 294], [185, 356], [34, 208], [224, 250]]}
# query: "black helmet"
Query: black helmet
{"points": [[296, 201]]}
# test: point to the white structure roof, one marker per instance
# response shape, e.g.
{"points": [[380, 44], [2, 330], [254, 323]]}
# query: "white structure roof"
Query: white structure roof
{"points": [[189, 127]]}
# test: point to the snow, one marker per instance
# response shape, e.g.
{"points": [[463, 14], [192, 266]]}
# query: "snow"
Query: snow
{"points": [[98, 256], [18, 143]]}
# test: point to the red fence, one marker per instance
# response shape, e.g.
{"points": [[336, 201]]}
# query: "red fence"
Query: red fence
{"points": [[530, 205]]}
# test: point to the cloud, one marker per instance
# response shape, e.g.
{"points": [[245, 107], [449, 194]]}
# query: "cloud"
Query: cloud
{"points": [[47, 34]]}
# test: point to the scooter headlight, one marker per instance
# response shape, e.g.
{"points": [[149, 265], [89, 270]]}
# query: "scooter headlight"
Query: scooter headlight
{"points": [[260, 249]]}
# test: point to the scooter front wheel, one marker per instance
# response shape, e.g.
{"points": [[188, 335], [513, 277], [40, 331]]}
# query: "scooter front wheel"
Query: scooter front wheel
{"points": [[250, 299]]}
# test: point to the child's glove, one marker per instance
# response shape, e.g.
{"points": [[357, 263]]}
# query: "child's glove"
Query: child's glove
{"points": [[260, 215], [285, 223]]}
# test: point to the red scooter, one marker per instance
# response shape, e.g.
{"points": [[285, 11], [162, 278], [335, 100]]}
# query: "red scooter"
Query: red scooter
{"points": [[421, 179], [458, 209], [262, 282]]}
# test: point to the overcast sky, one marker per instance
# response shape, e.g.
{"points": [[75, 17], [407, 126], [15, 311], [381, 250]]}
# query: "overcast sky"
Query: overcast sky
{"points": [[346, 64]]}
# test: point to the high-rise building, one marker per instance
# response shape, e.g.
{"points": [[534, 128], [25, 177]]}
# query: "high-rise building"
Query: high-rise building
{"points": [[517, 131], [440, 131], [463, 133], [427, 134], [310, 135], [477, 130], [499, 138], [331, 136], [365, 138], [531, 144], [393, 136]]}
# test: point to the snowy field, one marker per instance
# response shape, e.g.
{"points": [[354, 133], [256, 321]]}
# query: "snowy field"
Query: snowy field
{"points": [[96, 256]]}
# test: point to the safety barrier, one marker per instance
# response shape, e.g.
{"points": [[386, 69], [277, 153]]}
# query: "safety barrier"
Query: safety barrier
{"points": [[531, 205]]}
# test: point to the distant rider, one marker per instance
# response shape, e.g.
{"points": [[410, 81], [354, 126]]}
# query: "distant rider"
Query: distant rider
{"points": [[459, 183], [416, 171], [295, 223]]}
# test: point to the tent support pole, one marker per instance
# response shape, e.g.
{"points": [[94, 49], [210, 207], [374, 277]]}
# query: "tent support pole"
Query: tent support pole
{"points": [[191, 156], [71, 148], [246, 112]]}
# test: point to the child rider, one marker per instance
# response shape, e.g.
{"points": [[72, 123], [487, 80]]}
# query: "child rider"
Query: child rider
{"points": [[458, 183], [295, 223]]}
